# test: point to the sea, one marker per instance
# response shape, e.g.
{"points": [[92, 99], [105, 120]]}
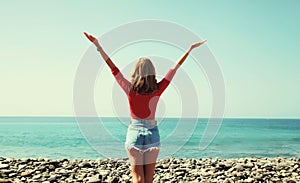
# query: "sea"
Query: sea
{"points": [[72, 138]]}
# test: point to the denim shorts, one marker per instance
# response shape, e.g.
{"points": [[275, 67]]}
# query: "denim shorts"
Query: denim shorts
{"points": [[142, 135]]}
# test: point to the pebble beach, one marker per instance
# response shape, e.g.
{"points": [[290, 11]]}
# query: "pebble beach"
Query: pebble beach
{"points": [[167, 170]]}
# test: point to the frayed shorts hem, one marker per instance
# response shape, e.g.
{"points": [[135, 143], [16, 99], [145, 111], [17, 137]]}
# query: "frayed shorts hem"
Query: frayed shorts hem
{"points": [[128, 147]]}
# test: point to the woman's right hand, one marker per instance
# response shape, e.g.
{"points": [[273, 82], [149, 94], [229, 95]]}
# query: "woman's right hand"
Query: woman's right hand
{"points": [[196, 45], [92, 39]]}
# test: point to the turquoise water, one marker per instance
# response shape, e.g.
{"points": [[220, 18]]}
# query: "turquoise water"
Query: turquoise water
{"points": [[61, 137]]}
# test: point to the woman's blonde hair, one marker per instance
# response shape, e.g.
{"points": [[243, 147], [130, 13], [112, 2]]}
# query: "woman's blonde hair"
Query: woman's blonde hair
{"points": [[143, 77]]}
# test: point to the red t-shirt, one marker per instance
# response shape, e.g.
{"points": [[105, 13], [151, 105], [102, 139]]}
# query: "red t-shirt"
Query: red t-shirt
{"points": [[142, 106]]}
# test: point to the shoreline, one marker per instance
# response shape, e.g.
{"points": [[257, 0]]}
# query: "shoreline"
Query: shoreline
{"points": [[252, 169]]}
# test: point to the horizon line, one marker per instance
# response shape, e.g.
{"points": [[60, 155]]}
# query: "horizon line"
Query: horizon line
{"points": [[239, 117]]}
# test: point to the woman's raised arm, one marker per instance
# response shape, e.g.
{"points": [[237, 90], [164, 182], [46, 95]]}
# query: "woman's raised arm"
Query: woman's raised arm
{"points": [[101, 51], [182, 59]]}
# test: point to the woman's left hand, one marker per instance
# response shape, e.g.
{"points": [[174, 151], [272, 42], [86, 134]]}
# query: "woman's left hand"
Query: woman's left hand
{"points": [[92, 39]]}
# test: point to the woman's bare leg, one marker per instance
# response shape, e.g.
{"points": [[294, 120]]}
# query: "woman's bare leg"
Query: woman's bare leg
{"points": [[136, 165], [150, 158]]}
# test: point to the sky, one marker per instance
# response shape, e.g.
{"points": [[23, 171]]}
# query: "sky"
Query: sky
{"points": [[256, 44]]}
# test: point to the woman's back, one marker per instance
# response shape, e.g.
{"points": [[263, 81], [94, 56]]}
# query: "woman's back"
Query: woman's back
{"points": [[143, 106]]}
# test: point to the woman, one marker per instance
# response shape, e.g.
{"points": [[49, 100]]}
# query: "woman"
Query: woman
{"points": [[143, 92]]}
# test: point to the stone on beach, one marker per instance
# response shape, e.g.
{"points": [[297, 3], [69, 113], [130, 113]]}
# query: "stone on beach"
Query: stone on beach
{"points": [[167, 170]]}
